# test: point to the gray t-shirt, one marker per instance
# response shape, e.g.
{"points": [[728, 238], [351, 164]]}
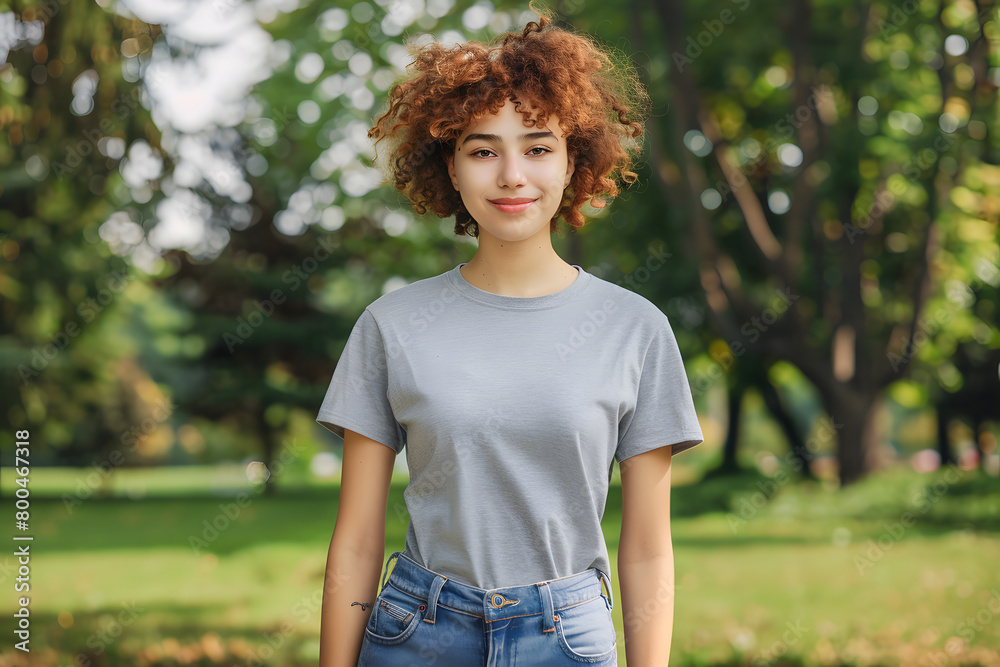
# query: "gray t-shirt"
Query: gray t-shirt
{"points": [[512, 410]]}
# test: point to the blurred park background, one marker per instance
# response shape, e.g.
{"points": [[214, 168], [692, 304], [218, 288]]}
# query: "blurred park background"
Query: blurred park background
{"points": [[190, 226]]}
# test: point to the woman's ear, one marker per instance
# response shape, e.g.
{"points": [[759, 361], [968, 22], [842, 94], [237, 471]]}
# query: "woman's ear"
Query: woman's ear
{"points": [[450, 161], [570, 168]]}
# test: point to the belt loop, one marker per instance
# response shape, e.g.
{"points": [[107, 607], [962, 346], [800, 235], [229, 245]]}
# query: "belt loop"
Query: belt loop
{"points": [[432, 597], [610, 596], [548, 611]]}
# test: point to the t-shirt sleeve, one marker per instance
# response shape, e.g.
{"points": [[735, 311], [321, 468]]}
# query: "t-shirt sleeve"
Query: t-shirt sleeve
{"points": [[357, 398], [664, 411]]}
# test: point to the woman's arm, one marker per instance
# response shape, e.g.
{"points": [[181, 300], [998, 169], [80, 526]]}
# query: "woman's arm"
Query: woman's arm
{"points": [[354, 561], [646, 558]]}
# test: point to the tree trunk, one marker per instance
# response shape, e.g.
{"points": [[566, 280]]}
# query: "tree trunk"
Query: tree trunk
{"points": [[268, 438], [852, 414], [788, 426], [733, 431], [944, 447]]}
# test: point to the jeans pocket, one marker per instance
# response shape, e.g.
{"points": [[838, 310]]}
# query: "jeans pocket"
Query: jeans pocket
{"points": [[395, 617], [587, 632]]}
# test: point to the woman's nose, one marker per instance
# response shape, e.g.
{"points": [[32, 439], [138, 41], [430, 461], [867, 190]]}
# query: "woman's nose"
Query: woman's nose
{"points": [[511, 173]]}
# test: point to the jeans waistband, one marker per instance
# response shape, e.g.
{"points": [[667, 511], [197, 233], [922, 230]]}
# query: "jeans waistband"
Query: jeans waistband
{"points": [[497, 603]]}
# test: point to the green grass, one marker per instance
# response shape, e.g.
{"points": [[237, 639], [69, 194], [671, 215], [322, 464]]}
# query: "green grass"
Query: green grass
{"points": [[115, 580]]}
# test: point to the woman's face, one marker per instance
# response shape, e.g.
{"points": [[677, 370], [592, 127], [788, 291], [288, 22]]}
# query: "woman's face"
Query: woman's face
{"points": [[499, 158]]}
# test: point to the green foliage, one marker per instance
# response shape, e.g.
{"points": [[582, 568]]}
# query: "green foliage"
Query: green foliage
{"points": [[736, 587], [891, 235]]}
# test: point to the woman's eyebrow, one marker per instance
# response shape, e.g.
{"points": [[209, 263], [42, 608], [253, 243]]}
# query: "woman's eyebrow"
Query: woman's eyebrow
{"points": [[496, 137]]}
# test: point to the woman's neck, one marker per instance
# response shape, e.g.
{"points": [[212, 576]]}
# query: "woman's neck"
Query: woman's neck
{"points": [[520, 274]]}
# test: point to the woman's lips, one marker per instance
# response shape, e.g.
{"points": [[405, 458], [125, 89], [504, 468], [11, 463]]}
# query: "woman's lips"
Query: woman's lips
{"points": [[512, 208]]}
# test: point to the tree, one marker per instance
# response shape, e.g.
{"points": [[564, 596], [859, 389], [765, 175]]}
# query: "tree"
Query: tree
{"points": [[75, 383], [838, 201]]}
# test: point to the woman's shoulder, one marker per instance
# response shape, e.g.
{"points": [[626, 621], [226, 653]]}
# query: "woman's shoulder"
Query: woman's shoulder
{"points": [[407, 295], [632, 304]]}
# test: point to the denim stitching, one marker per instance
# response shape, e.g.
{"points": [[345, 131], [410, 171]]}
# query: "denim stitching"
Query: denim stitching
{"points": [[462, 611]]}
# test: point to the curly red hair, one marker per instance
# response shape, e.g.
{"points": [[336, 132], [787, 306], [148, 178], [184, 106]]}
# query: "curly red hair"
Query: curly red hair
{"points": [[598, 97]]}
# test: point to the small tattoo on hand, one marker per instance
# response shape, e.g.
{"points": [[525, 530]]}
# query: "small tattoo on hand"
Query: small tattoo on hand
{"points": [[364, 605]]}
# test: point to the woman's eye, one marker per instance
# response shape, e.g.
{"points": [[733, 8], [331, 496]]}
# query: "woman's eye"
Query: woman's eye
{"points": [[489, 152]]}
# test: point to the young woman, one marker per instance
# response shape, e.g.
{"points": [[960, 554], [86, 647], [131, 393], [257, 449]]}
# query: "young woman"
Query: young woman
{"points": [[513, 380]]}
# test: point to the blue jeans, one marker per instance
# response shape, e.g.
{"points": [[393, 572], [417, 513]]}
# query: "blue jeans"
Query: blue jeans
{"points": [[423, 618]]}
